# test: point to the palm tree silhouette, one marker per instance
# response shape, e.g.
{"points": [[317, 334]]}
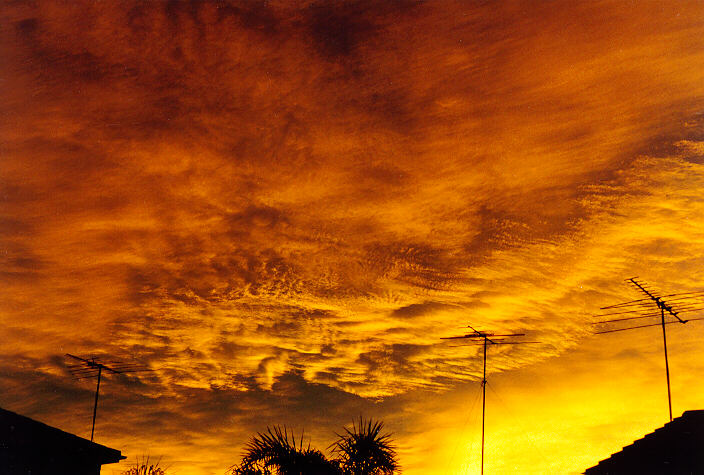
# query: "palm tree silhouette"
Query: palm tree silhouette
{"points": [[276, 452], [364, 450], [143, 467]]}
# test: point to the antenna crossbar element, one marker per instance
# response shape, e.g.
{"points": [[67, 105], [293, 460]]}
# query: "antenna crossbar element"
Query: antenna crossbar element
{"points": [[644, 326], [623, 312], [484, 339], [481, 343], [658, 300], [670, 305], [650, 315], [646, 301], [92, 363], [92, 367]]}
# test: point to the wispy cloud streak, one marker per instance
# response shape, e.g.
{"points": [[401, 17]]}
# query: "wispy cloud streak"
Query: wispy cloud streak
{"points": [[249, 196]]}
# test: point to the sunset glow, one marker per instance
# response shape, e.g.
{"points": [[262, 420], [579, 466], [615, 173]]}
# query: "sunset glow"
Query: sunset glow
{"points": [[281, 208]]}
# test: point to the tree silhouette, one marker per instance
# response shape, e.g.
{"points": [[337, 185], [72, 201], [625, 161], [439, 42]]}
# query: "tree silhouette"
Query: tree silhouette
{"points": [[276, 452], [364, 450], [145, 468]]}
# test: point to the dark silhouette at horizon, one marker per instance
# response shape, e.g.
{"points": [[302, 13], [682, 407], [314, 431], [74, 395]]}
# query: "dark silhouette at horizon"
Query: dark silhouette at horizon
{"points": [[361, 450], [29, 447], [677, 448]]}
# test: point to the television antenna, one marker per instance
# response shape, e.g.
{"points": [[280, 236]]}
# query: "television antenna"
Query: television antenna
{"points": [[667, 307], [92, 367], [483, 338]]}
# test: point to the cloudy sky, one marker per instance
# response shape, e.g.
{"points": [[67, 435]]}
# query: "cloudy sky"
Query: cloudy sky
{"points": [[281, 207]]}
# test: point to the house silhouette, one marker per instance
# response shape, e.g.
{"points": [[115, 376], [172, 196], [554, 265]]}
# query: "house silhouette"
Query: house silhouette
{"points": [[28, 447], [676, 448]]}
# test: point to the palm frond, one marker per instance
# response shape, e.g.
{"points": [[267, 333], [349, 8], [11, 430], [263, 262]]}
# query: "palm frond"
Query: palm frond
{"points": [[364, 450], [276, 452], [143, 467]]}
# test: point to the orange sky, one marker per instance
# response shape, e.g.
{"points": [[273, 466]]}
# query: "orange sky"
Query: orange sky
{"points": [[281, 207]]}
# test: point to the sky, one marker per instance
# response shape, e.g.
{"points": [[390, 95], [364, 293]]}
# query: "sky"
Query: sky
{"points": [[282, 207]]}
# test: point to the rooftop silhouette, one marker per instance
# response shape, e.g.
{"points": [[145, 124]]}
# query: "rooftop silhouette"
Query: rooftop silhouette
{"points": [[31, 447], [675, 448]]}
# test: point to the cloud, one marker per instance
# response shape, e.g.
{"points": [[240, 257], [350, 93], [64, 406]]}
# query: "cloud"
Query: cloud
{"points": [[418, 309], [268, 200]]}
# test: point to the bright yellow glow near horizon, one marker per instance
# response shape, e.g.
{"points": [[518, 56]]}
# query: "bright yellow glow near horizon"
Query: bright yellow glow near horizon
{"points": [[282, 207]]}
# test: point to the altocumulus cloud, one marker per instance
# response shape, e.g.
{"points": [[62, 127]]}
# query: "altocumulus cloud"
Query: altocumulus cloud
{"points": [[260, 200]]}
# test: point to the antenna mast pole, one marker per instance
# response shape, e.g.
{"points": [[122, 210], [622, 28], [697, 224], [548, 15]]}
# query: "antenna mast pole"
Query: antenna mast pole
{"points": [[667, 365], [484, 338], [95, 406], [89, 368], [483, 403], [671, 304], [658, 301]]}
